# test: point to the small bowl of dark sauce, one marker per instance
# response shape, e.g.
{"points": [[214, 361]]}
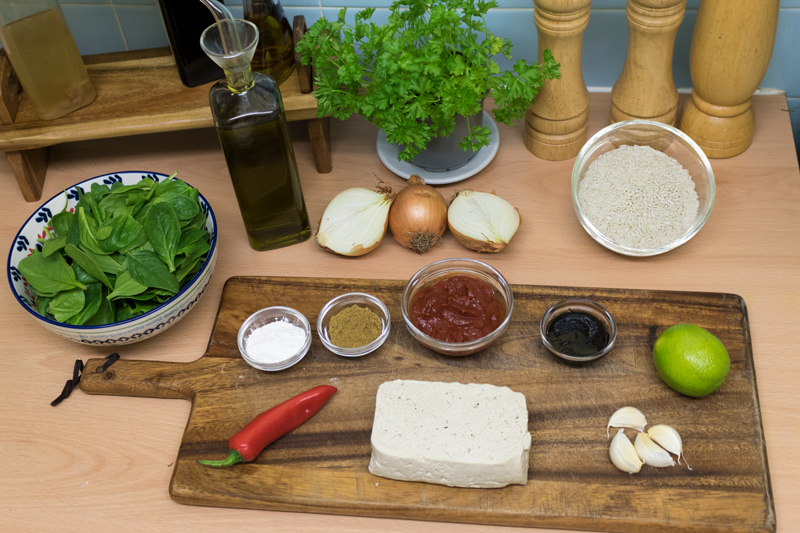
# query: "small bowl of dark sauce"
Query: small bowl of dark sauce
{"points": [[578, 330]]}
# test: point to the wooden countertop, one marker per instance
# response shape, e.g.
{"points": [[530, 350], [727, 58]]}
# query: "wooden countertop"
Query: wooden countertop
{"points": [[97, 463]]}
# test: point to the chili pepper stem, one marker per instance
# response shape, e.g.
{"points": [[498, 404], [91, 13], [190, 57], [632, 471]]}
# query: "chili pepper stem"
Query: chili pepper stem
{"points": [[233, 458]]}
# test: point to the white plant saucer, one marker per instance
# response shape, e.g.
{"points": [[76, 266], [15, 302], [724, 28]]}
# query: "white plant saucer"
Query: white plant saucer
{"points": [[388, 154]]}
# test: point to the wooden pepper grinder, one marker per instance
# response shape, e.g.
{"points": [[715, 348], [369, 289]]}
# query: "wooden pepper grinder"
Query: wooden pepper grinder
{"points": [[645, 88], [731, 50], [556, 123]]}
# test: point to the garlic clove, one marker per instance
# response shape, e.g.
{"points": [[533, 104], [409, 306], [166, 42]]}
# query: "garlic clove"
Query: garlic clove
{"points": [[482, 221], [651, 453], [355, 221], [668, 438], [627, 417], [623, 454]]}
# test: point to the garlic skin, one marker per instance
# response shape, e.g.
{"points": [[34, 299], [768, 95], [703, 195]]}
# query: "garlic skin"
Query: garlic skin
{"points": [[668, 438], [651, 453], [623, 454], [482, 221], [355, 221], [627, 417]]}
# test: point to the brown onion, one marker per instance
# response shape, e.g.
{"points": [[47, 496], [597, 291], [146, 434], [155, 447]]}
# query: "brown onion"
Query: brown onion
{"points": [[418, 216]]}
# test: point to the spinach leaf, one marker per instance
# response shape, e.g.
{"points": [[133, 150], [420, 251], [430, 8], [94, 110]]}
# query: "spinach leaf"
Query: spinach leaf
{"points": [[88, 227], [88, 263], [74, 232], [185, 207], [53, 245], [108, 264], [83, 276], [99, 190], [115, 205], [126, 286], [61, 223], [93, 297], [198, 222], [146, 268], [49, 275], [43, 303], [124, 230], [194, 253], [89, 203], [104, 315], [103, 231], [66, 304], [190, 237], [164, 230]]}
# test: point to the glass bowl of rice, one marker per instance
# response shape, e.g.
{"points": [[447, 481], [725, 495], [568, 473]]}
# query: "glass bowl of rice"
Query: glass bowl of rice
{"points": [[642, 188]]}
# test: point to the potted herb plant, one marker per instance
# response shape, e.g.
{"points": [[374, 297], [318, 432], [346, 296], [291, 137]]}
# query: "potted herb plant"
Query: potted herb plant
{"points": [[430, 64]]}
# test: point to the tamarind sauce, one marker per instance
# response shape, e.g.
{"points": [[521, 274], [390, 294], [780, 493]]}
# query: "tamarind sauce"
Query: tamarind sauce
{"points": [[578, 334]]}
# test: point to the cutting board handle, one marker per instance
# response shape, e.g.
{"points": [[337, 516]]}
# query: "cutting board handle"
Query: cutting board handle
{"points": [[148, 379]]}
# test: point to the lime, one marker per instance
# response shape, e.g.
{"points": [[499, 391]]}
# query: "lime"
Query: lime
{"points": [[691, 360]]}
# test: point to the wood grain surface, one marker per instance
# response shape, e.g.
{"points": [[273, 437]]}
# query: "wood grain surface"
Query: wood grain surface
{"points": [[138, 92], [104, 463], [731, 49], [322, 466]]}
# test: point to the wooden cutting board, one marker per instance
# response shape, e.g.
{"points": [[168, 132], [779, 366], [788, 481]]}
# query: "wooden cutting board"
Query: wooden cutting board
{"points": [[322, 466]]}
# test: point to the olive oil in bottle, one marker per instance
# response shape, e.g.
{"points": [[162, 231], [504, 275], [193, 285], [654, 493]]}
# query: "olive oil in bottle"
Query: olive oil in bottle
{"points": [[252, 129], [274, 54]]}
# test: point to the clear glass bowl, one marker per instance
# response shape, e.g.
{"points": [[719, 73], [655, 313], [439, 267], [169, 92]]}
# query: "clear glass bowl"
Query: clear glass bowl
{"points": [[582, 306], [345, 300], [434, 272], [658, 136], [266, 316]]}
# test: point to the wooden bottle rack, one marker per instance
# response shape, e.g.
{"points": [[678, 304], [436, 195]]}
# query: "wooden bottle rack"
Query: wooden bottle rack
{"points": [[126, 83]]}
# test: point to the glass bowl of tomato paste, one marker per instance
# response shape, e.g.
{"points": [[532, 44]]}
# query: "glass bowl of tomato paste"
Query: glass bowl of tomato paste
{"points": [[457, 306]]}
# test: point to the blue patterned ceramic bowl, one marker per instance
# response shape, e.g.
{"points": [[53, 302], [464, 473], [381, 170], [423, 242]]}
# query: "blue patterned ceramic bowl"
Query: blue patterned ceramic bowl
{"points": [[126, 332]]}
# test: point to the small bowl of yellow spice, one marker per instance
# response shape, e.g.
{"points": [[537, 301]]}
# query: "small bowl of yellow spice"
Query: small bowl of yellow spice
{"points": [[354, 324]]}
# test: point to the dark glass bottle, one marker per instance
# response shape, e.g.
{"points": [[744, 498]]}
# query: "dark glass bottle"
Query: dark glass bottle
{"points": [[274, 54], [186, 20], [248, 112]]}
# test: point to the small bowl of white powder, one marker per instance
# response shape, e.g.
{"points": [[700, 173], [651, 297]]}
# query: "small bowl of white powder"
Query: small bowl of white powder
{"points": [[642, 188], [274, 338]]}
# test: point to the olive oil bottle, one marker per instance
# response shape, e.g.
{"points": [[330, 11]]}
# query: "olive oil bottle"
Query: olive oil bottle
{"points": [[274, 54], [252, 129]]}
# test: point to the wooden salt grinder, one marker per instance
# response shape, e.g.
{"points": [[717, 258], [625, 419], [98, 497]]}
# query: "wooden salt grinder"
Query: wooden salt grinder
{"points": [[556, 123], [645, 88], [731, 50]]}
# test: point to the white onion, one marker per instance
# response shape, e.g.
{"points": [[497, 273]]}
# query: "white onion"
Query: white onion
{"points": [[482, 221], [355, 221]]}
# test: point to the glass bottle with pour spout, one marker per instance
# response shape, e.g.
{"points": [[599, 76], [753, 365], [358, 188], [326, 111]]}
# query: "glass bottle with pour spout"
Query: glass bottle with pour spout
{"points": [[251, 124], [45, 57]]}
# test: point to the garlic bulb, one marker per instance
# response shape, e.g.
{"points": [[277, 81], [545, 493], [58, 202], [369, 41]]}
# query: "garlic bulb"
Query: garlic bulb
{"points": [[355, 221], [482, 221], [623, 454], [668, 438], [651, 453], [626, 417]]}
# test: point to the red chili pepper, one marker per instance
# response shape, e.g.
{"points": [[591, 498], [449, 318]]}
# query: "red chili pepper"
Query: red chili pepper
{"points": [[272, 424]]}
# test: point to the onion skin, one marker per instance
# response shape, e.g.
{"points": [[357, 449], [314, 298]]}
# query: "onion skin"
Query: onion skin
{"points": [[418, 216], [486, 244]]}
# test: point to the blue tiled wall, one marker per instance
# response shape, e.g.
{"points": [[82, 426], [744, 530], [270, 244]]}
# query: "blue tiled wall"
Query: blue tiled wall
{"points": [[115, 25]]}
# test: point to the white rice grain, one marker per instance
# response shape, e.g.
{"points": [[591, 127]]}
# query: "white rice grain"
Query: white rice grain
{"points": [[639, 197]]}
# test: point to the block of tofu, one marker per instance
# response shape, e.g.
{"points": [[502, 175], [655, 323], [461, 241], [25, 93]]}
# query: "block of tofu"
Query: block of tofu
{"points": [[453, 434]]}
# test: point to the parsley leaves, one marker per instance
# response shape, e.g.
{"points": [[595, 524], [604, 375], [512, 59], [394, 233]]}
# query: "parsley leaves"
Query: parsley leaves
{"points": [[431, 61]]}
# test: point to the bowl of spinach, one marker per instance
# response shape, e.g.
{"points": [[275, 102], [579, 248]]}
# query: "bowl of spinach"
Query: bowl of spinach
{"points": [[115, 259]]}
